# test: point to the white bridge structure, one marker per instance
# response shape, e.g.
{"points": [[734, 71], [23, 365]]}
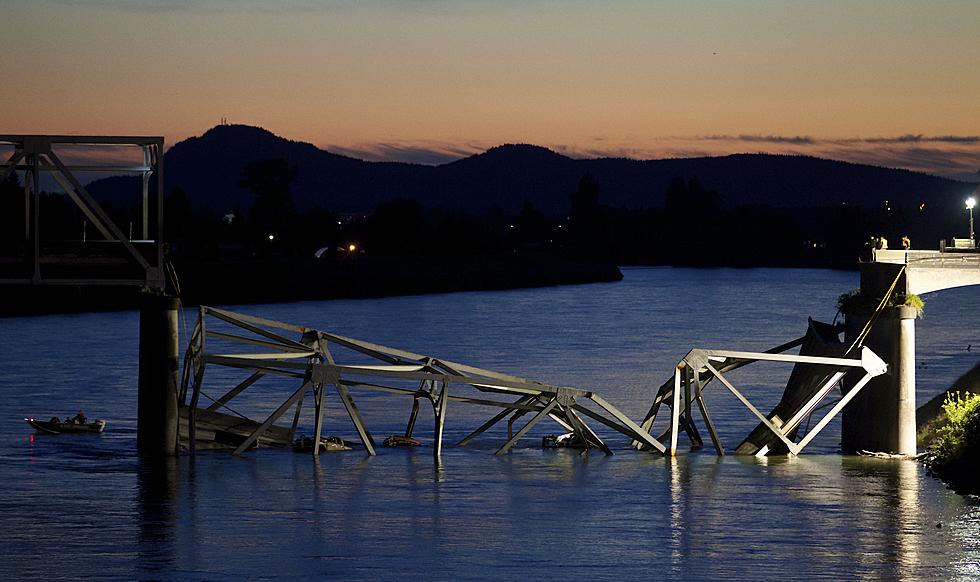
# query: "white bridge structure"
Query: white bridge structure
{"points": [[928, 271], [882, 418], [320, 361]]}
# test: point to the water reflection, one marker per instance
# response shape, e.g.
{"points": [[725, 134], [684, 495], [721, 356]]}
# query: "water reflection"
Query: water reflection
{"points": [[156, 504]]}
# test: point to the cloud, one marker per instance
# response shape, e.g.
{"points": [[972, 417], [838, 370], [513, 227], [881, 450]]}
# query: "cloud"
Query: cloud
{"points": [[955, 156], [420, 152], [793, 139], [954, 162], [944, 155], [968, 139]]}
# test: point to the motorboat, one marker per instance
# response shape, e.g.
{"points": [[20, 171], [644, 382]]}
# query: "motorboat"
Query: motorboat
{"points": [[56, 426]]}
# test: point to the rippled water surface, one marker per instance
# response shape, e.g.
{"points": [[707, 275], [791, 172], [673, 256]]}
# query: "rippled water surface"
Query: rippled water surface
{"points": [[86, 506]]}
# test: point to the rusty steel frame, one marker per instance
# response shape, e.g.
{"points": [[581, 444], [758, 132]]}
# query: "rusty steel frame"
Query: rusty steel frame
{"points": [[35, 155]]}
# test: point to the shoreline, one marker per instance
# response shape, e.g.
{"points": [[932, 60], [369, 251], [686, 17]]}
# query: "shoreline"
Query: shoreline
{"points": [[287, 280]]}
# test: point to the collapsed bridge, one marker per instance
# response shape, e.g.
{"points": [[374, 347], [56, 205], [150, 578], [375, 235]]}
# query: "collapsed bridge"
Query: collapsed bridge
{"points": [[320, 363]]}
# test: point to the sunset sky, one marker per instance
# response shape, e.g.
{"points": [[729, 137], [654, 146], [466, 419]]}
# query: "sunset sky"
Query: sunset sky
{"points": [[893, 83]]}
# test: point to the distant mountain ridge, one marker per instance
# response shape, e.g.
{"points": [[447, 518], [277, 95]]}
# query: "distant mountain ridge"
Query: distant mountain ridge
{"points": [[208, 169]]}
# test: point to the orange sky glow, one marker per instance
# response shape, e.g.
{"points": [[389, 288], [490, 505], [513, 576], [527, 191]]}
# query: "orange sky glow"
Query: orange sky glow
{"points": [[432, 80]]}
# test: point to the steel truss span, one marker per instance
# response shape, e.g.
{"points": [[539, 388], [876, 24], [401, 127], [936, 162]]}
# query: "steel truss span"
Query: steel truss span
{"points": [[107, 257], [321, 362]]}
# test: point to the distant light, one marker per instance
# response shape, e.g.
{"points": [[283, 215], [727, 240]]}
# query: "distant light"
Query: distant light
{"points": [[272, 237], [351, 247], [512, 226], [971, 202], [922, 206], [339, 223]]}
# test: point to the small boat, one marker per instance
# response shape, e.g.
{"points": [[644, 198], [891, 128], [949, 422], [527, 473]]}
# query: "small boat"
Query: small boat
{"points": [[55, 426], [328, 444], [400, 441], [565, 441]]}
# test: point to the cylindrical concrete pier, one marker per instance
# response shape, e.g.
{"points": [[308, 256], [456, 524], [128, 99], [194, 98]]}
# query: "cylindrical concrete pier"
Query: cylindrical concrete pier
{"points": [[156, 432], [905, 378], [882, 417]]}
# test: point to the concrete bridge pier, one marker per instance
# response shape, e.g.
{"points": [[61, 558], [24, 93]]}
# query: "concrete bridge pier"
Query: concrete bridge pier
{"points": [[156, 431], [882, 417]]}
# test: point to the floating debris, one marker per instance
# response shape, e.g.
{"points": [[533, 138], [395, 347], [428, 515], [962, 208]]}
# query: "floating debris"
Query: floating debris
{"points": [[569, 440], [401, 441], [880, 455], [328, 444]]}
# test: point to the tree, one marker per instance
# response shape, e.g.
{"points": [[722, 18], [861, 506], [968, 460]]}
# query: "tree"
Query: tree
{"points": [[270, 181], [587, 222], [396, 228], [693, 223]]}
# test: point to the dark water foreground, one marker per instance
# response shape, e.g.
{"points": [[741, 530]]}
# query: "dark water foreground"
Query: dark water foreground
{"points": [[87, 507]]}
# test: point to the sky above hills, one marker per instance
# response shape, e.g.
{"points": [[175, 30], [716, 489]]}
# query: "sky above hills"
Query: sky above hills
{"points": [[432, 80]]}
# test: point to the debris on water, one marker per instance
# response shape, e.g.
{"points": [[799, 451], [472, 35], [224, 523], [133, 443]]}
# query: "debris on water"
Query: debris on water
{"points": [[880, 455], [331, 443], [401, 441], [568, 440]]}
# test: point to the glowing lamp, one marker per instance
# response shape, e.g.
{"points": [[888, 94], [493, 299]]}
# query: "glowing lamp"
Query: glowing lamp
{"points": [[970, 203]]}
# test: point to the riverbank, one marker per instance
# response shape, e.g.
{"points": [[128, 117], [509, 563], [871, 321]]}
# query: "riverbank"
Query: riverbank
{"points": [[292, 279], [953, 444]]}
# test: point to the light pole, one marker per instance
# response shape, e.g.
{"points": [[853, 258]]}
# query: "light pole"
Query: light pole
{"points": [[970, 203]]}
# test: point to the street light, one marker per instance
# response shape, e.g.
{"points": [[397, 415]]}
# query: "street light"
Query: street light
{"points": [[970, 203]]}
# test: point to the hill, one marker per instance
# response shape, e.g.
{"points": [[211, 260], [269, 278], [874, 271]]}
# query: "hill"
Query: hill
{"points": [[208, 169]]}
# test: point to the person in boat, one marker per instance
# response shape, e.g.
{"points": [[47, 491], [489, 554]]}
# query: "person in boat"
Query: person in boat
{"points": [[55, 420], [77, 419]]}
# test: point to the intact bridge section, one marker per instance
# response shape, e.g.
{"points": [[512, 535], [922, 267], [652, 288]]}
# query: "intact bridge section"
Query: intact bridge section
{"points": [[882, 417]]}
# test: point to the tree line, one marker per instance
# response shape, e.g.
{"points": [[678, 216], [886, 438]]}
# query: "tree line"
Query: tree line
{"points": [[693, 228]]}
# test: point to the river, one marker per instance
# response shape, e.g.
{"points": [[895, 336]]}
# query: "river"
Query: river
{"points": [[86, 506]]}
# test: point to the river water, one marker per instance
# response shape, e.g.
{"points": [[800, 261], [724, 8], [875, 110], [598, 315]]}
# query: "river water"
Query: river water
{"points": [[86, 506]]}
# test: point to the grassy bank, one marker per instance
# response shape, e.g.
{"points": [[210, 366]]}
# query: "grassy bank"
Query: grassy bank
{"points": [[950, 433]]}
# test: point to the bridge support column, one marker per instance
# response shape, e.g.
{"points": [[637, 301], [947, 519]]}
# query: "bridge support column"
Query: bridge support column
{"points": [[882, 417], [156, 430]]}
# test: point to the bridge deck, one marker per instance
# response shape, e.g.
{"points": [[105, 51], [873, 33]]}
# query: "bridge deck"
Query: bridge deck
{"points": [[928, 271]]}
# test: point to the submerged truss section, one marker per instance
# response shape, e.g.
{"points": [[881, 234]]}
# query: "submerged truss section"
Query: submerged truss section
{"points": [[320, 361], [811, 384]]}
